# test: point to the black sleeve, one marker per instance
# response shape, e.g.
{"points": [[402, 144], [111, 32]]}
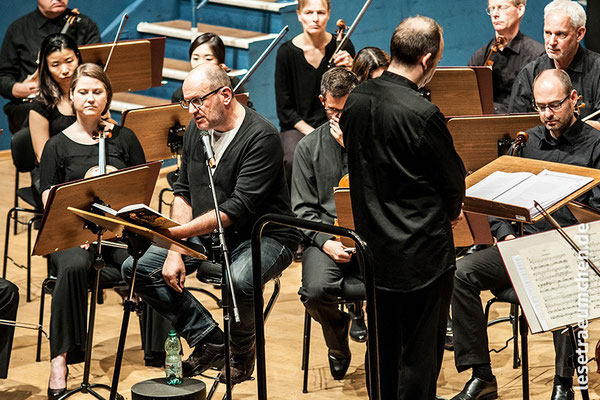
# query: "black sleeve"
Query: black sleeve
{"points": [[9, 64], [258, 174], [51, 165], [478, 57], [445, 167], [284, 77], [41, 109], [134, 148], [89, 32], [305, 196], [521, 95]]}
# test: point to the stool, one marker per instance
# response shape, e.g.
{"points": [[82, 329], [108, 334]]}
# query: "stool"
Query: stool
{"points": [[520, 326], [157, 389]]}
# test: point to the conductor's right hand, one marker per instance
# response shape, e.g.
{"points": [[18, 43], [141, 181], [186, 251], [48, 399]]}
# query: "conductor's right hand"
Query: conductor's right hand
{"points": [[173, 271]]}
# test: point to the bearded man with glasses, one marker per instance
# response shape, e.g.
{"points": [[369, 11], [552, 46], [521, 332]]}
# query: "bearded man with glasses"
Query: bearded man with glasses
{"points": [[516, 52], [562, 138], [249, 182]]}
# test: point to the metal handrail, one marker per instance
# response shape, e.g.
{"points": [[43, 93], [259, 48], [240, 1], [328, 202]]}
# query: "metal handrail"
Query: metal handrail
{"points": [[365, 261]]}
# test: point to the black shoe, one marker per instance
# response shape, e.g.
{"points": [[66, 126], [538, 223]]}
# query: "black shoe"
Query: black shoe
{"points": [[242, 367], [478, 389], [358, 329], [204, 356], [54, 394], [339, 363], [562, 392]]}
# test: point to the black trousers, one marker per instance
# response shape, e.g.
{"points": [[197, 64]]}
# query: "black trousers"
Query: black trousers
{"points": [[484, 270], [68, 318], [9, 301], [289, 140], [321, 286], [17, 112], [411, 329]]}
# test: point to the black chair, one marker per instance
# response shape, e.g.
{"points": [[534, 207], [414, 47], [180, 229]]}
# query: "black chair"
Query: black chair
{"points": [[171, 179], [24, 161], [520, 327], [210, 273], [353, 291], [113, 282]]}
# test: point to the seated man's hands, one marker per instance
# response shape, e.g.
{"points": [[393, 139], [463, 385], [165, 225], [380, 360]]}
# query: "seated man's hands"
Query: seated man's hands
{"points": [[336, 250], [173, 271]]}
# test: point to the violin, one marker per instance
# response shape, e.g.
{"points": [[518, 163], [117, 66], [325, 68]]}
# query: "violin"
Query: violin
{"points": [[344, 37], [73, 17], [500, 42], [104, 131], [340, 32]]}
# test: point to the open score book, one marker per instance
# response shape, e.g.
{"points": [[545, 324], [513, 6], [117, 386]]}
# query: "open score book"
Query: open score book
{"points": [[522, 188]]}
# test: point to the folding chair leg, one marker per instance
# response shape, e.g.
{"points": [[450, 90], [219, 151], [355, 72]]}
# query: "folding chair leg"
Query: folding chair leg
{"points": [[306, 350]]}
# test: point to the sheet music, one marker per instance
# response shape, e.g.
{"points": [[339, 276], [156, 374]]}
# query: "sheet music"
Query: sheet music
{"points": [[522, 188], [545, 274]]}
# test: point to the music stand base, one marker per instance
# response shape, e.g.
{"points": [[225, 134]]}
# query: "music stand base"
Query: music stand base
{"points": [[89, 388]]}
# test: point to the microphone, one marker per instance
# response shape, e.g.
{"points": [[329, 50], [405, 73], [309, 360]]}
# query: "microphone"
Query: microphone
{"points": [[210, 157], [519, 142]]}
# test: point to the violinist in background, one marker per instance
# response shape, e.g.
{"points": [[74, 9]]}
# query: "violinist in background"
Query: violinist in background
{"points": [[509, 51], [370, 63], [207, 48], [300, 64], [18, 66], [68, 156]]}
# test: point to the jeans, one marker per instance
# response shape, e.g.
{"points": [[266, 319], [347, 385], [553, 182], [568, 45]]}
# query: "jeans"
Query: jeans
{"points": [[189, 317]]}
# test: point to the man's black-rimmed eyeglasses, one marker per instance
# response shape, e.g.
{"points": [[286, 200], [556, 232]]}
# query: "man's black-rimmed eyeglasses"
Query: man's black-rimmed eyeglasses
{"points": [[197, 101], [555, 106]]}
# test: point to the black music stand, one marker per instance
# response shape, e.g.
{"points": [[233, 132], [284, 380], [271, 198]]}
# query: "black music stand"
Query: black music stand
{"points": [[60, 230]]}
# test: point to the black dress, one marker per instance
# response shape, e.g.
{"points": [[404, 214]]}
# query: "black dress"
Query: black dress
{"points": [[64, 160], [57, 121]]}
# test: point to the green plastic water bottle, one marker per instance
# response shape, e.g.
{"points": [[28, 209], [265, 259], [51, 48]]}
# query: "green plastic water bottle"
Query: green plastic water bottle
{"points": [[173, 359]]}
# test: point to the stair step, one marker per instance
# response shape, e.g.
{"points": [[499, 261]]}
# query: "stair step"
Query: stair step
{"points": [[132, 101], [266, 5], [178, 69], [182, 30]]}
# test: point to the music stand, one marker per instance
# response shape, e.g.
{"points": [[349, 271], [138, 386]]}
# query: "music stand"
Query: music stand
{"points": [[60, 229], [477, 138], [135, 64], [461, 90], [472, 229], [520, 164], [158, 128]]}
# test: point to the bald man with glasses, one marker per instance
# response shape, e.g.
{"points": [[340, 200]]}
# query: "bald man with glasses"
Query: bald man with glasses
{"points": [[562, 138], [249, 181]]}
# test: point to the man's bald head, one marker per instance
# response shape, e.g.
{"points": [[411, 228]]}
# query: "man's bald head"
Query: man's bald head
{"points": [[209, 76], [554, 77]]}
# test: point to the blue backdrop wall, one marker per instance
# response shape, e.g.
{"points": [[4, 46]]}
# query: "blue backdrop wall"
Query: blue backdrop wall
{"points": [[466, 25]]}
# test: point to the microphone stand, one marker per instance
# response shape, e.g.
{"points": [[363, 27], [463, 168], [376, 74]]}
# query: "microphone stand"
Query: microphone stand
{"points": [[226, 281]]}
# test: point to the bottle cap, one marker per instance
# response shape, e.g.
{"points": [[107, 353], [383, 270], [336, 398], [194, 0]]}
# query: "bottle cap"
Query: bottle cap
{"points": [[172, 333]]}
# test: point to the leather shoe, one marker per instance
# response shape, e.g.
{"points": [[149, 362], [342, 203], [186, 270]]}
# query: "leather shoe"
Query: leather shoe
{"points": [[204, 356], [478, 389], [358, 329], [562, 392], [242, 367], [339, 363], [54, 394]]}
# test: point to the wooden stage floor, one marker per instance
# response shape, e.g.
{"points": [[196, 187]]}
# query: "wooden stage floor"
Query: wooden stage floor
{"points": [[28, 379]]}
